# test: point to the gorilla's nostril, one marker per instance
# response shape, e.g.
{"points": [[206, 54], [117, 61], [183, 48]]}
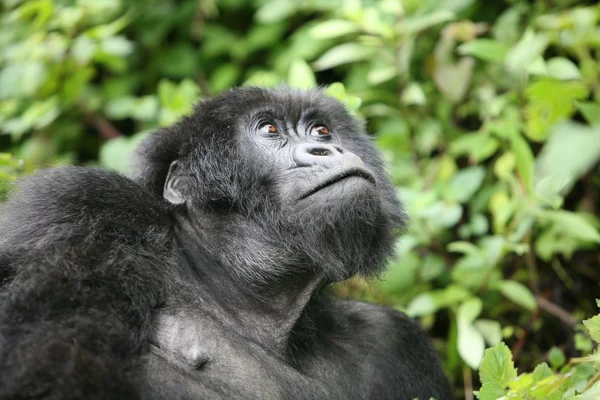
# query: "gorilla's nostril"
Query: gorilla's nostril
{"points": [[319, 152]]}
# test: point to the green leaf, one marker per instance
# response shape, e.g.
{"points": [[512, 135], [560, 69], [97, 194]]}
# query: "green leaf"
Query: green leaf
{"points": [[538, 67], [563, 69], [530, 47], [518, 293], [187, 61], [117, 153], [332, 28], [423, 304], [263, 78], [343, 54], [110, 29], [524, 157], [485, 49], [556, 357], [453, 80], [508, 25], [492, 246], [592, 393], [504, 165], [275, 11], [454, 5], [383, 74], [469, 310], [584, 343], [442, 214], [470, 344], [490, 391], [522, 384], [502, 209], [120, 108], [176, 100], [550, 101], [465, 183], [145, 108], [413, 95], [301, 75], [42, 113], [419, 23], [479, 224], [451, 295], [497, 366], [21, 79], [338, 91], [491, 330], [431, 268], [593, 326], [542, 371], [570, 152], [550, 242], [116, 45], [261, 37], [83, 49], [477, 146], [470, 341], [573, 225], [401, 275], [463, 247], [224, 77], [590, 111], [218, 40]]}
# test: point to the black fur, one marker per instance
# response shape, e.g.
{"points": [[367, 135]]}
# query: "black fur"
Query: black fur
{"points": [[206, 275]]}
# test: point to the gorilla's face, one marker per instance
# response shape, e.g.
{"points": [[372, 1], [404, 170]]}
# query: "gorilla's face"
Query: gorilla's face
{"points": [[289, 173], [309, 157]]}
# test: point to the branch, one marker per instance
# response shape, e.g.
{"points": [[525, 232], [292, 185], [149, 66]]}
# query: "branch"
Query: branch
{"points": [[557, 311], [102, 125]]}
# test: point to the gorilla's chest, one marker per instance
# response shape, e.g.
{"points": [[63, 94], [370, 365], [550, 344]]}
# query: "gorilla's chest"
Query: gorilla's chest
{"points": [[205, 359]]}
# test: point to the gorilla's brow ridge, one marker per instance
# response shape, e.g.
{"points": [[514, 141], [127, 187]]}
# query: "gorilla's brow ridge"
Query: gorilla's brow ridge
{"points": [[313, 115], [263, 114], [305, 114]]}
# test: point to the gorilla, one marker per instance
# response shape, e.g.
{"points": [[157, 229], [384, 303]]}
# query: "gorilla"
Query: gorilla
{"points": [[205, 275]]}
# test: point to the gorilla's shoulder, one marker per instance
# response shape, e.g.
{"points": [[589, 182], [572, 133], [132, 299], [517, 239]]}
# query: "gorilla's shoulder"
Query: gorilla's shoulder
{"points": [[372, 322], [372, 314], [390, 344], [79, 206]]}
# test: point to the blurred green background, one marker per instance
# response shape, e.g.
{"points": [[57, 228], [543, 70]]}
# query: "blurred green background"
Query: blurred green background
{"points": [[488, 113]]}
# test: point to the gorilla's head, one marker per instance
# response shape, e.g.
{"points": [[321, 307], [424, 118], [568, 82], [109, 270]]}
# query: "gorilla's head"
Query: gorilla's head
{"points": [[276, 182]]}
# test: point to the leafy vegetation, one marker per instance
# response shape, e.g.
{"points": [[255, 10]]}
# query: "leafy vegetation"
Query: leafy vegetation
{"points": [[488, 113]]}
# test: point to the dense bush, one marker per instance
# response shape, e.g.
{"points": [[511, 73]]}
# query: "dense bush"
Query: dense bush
{"points": [[488, 112]]}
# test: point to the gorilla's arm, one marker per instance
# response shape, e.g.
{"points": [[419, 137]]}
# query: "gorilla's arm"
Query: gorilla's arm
{"points": [[379, 353], [83, 255]]}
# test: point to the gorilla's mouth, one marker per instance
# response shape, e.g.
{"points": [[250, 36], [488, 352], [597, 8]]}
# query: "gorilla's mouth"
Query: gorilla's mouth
{"points": [[356, 172]]}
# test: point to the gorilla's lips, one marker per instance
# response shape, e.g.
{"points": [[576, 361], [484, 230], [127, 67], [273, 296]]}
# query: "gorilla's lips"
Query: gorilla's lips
{"points": [[356, 172]]}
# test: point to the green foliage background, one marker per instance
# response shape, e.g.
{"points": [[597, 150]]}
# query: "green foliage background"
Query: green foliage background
{"points": [[487, 111]]}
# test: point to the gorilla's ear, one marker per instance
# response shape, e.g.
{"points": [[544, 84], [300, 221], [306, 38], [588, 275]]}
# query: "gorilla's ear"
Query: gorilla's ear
{"points": [[174, 190]]}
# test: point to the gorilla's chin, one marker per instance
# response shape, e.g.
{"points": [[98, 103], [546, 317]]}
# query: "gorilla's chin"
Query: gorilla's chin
{"points": [[343, 229]]}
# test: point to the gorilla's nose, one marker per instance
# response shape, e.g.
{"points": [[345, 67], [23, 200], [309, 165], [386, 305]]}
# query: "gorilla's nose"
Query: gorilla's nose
{"points": [[326, 155]]}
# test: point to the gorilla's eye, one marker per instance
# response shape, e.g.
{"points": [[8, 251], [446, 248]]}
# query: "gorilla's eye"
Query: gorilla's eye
{"points": [[268, 129], [319, 130]]}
